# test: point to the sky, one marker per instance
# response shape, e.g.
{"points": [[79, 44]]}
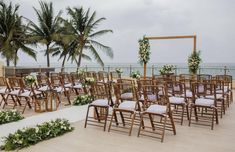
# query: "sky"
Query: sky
{"points": [[211, 20]]}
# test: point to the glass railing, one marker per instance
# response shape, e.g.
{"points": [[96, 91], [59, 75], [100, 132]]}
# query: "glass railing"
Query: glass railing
{"points": [[127, 69]]}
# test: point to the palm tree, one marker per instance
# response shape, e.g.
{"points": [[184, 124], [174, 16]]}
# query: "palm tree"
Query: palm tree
{"points": [[48, 27], [83, 26], [12, 33]]}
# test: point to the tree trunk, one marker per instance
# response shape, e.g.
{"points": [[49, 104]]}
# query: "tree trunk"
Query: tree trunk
{"points": [[48, 56], [15, 58], [8, 62], [63, 62], [80, 57]]}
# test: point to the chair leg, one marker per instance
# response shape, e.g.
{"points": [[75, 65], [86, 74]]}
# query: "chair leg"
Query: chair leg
{"points": [[132, 122], [216, 116], [172, 122], [212, 122], [182, 116], [187, 110], [190, 115], [87, 116], [141, 124], [97, 114], [106, 117], [164, 128], [195, 113], [110, 124], [122, 117], [151, 121]]}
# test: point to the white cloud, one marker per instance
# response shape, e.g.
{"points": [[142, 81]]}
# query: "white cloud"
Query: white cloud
{"points": [[212, 20]]}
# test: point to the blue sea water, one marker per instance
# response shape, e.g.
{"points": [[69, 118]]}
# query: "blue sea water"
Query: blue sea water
{"points": [[152, 68]]}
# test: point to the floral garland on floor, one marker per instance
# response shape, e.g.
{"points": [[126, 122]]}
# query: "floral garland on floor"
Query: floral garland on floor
{"points": [[83, 100], [9, 116], [30, 136], [166, 69], [194, 61], [144, 50]]}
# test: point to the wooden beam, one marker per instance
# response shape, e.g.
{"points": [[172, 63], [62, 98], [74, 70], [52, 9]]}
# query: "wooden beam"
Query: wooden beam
{"points": [[171, 37]]}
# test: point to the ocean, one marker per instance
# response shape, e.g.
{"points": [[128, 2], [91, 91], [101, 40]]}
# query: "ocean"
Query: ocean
{"points": [[152, 68]]}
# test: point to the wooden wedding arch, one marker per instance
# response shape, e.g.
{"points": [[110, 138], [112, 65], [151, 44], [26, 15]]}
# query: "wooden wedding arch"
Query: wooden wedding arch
{"points": [[194, 37]]}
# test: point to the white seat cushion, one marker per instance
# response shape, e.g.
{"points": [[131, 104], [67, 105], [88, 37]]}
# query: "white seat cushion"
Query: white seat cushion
{"points": [[78, 86], [158, 109], [3, 90], [204, 102], [177, 100], [128, 105], [218, 96], [100, 102], [127, 95], [15, 92], [26, 94], [189, 94], [68, 85], [151, 97], [61, 89], [44, 88]]}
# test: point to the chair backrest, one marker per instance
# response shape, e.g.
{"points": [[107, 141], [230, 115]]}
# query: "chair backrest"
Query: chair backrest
{"points": [[56, 81], [100, 90], [42, 79], [204, 89], [204, 77], [187, 79], [103, 76], [122, 88], [177, 88], [114, 76], [4, 84], [66, 78], [227, 79]]}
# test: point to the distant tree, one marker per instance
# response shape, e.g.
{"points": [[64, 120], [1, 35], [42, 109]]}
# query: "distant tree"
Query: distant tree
{"points": [[13, 35], [83, 25], [49, 26]]}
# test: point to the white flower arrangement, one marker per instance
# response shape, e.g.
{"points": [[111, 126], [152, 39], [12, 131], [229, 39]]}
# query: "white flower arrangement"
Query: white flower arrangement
{"points": [[29, 79], [166, 69], [83, 99], [9, 116], [144, 50], [89, 81], [81, 72], [135, 74], [194, 61], [30, 136], [119, 70]]}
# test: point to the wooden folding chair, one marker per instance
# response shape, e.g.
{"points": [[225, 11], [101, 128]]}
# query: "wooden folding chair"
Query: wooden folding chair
{"points": [[205, 99], [158, 114], [178, 100], [101, 104], [4, 89], [126, 107]]}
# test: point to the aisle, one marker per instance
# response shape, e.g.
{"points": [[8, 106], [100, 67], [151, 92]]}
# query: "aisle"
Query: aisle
{"points": [[73, 114]]}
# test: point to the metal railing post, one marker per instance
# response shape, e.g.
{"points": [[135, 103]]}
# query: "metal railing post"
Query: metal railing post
{"points": [[225, 70], [152, 70], [130, 70]]}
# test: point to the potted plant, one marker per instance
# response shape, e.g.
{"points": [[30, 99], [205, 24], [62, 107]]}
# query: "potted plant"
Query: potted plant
{"points": [[167, 69]]}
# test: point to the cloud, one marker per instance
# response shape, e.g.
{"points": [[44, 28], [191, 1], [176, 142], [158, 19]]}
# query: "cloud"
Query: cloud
{"points": [[212, 20]]}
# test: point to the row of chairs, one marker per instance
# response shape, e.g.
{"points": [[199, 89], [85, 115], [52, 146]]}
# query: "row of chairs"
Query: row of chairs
{"points": [[160, 101]]}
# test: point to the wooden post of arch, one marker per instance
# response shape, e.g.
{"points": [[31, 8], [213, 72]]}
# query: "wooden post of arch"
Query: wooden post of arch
{"points": [[194, 37]]}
